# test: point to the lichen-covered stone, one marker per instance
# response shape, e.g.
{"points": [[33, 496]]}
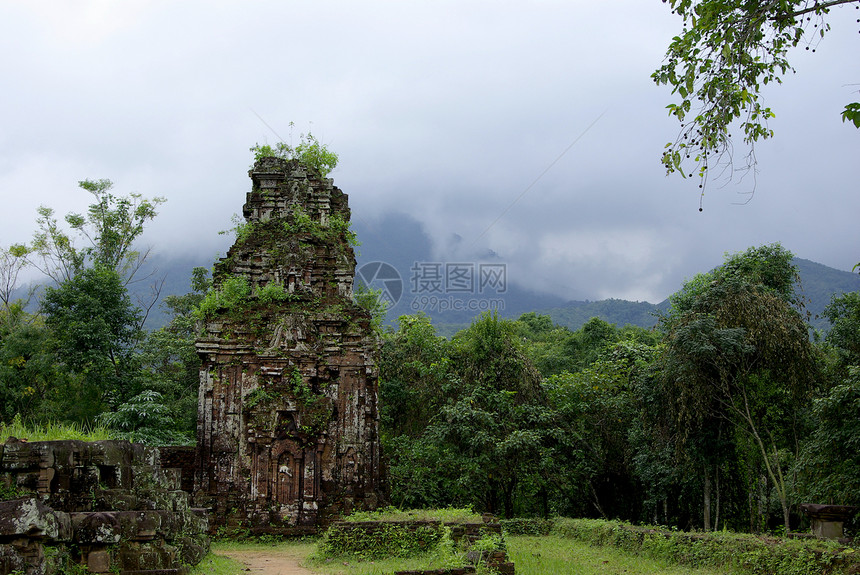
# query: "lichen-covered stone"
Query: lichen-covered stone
{"points": [[106, 506], [30, 517], [287, 413], [97, 527]]}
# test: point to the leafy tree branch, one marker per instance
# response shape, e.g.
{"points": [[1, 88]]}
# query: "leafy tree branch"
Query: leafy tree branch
{"points": [[110, 228], [727, 52]]}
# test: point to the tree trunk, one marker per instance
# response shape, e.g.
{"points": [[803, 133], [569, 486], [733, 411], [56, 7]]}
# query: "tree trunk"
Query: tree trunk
{"points": [[761, 496], [597, 501], [508, 495], [717, 513], [774, 470], [544, 502], [707, 502]]}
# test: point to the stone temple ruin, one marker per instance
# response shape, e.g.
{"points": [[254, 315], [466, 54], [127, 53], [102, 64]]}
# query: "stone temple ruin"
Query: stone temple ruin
{"points": [[102, 506], [287, 414], [288, 430]]}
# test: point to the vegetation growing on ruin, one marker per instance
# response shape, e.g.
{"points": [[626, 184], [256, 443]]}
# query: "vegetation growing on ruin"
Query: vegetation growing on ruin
{"points": [[309, 152], [235, 295], [232, 294], [335, 229], [52, 430], [389, 540], [444, 514]]}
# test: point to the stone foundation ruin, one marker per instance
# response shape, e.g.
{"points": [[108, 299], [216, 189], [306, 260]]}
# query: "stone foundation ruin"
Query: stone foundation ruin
{"points": [[287, 413], [102, 506]]}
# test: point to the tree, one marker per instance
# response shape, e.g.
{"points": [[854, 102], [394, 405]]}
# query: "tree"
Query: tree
{"points": [[593, 413], [28, 371], [829, 465], [415, 375], [170, 370], [462, 422], [494, 419], [737, 350], [843, 312], [95, 329], [110, 227], [12, 261], [726, 53]]}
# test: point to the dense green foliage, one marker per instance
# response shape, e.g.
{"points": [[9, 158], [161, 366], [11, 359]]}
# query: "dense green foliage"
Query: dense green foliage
{"points": [[389, 540], [84, 357], [310, 152], [94, 329], [726, 551], [726, 415]]}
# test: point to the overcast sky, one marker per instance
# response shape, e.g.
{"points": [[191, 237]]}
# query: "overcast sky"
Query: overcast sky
{"points": [[446, 111]]}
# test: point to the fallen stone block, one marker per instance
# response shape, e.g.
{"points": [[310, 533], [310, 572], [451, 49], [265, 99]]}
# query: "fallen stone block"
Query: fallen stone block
{"points": [[100, 527], [32, 518]]}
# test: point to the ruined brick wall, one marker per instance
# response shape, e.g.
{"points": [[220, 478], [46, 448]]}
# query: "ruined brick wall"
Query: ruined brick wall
{"points": [[180, 457], [287, 414], [106, 506]]}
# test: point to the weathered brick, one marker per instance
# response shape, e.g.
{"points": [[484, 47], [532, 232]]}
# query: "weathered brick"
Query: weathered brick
{"points": [[287, 419], [30, 517]]}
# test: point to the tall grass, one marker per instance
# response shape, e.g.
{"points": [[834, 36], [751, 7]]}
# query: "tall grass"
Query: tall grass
{"points": [[445, 515], [217, 564], [735, 552], [554, 555], [52, 431]]}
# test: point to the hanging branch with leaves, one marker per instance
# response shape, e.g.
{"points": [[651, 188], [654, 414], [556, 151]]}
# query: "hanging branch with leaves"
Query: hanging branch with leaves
{"points": [[726, 53]]}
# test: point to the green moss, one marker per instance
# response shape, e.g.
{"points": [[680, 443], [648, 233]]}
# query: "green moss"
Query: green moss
{"points": [[257, 396], [388, 540]]}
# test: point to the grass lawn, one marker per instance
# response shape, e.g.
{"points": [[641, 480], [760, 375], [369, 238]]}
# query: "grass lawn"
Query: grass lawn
{"points": [[217, 564], [551, 555], [548, 555]]}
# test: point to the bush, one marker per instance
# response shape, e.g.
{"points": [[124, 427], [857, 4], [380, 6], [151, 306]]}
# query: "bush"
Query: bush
{"points": [[741, 552], [381, 541], [527, 526]]}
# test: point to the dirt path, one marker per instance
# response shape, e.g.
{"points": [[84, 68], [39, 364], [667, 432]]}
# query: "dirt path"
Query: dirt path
{"points": [[274, 562]]}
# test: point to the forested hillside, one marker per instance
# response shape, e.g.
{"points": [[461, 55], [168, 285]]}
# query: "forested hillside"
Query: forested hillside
{"points": [[726, 415], [818, 282]]}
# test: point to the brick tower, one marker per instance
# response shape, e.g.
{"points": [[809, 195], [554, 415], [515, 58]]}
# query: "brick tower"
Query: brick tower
{"points": [[287, 428]]}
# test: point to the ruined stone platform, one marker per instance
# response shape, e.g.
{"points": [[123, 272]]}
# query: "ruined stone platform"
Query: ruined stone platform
{"points": [[107, 506]]}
